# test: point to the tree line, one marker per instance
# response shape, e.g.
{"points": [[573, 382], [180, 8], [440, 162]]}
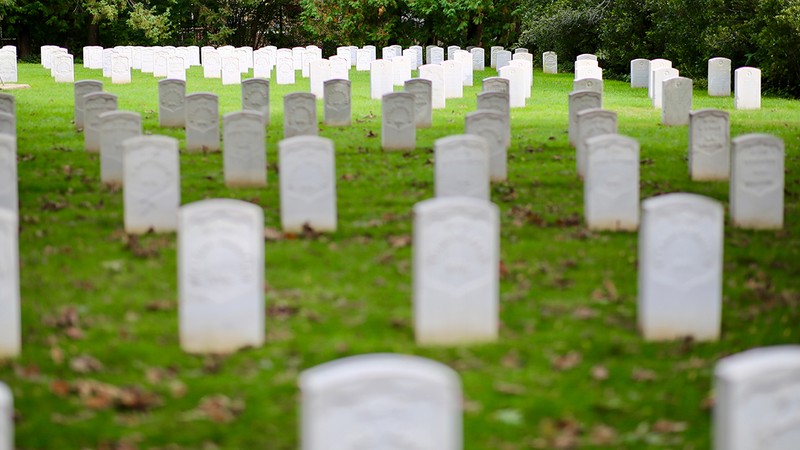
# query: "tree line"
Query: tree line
{"points": [[759, 33]]}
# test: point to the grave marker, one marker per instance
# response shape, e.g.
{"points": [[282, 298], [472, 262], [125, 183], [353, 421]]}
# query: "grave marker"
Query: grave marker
{"points": [[590, 123], [337, 110], [422, 90], [8, 173], [494, 127], [640, 72], [307, 184], [757, 182], [171, 103], [255, 97], [747, 88], [245, 151], [398, 125], [579, 101], [94, 104], [709, 145], [82, 88], [115, 128], [550, 62], [202, 122], [6, 418], [611, 185], [299, 115], [719, 77], [677, 101], [461, 167], [435, 74], [151, 184]]}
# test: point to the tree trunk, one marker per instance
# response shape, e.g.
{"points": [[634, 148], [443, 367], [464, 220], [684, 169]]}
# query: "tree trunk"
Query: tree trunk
{"points": [[24, 48], [93, 32]]}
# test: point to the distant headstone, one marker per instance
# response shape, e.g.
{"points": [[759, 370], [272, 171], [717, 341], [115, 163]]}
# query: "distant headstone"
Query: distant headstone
{"points": [[212, 65], [255, 97], [579, 101], [756, 399], [434, 73], [462, 166], [465, 60], [244, 149], [64, 69], [422, 90], [709, 145], [221, 276], [10, 325], [363, 60], [319, 70], [719, 77], [586, 57], [496, 84], [656, 65], [8, 66], [757, 182], [284, 70], [398, 125], [516, 84], [588, 84], [677, 101], [453, 79], [176, 68], [230, 71], [340, 68], [418, 49], [747, 88], [171, 103], [148, 56], [8, 174], [520, 50], [494, 101], [160, 63], [299, 115], [680, 267], [493, 55], [455, 277], [115, 128], [7, 417], [82, 88], [120, 70], [659, 76], [151, 186], [611, 184], [381, 79], [307, 183], [202, 122], [588, 124], [437, 55], [94, 104], [451, 51], [640, 72], [494, 127], [550, 62], [381, 401], [338, 103], [262, 64], [587, 68], [401, 70], [502, 58], [388, 53], [478, 59]]}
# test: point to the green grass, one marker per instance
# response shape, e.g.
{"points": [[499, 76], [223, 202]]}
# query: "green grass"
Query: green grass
{"points": [[564, 289]]}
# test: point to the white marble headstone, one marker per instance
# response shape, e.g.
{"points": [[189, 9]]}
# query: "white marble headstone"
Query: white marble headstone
{"points": [[398, 125], [655, 65], [255, 97], [151, 184], [94, 104], [434, 73], [757, 181], [82, 88], [461, 167], [10, 326], [202, 122], [115, 128], [422, 90], [244, 149], [307, 183], [516, 84], [338, 104], [496, 84], [381, 79], [221, 276], [171, 103], [319, 71], [747, 88], [8, 173], [719, 77], [550, 62], [640, 72], [590, 123], [677, 101], [284, 69], [579, 101], [494, 127], [611, 184], [299, 115], [709, 145], [6, 418]]}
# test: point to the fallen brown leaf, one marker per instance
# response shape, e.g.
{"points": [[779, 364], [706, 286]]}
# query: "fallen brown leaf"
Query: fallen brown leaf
{"points": [[599, 373], [602, 435], [85, 364], [568, 361], [643, 375], [668, 426]]}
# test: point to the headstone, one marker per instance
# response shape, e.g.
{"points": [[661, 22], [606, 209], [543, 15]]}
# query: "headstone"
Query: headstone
{"points": [[245, 57], [437, 56], [417, 49], [284, 70], [307, 183], [588, 84], [496, 84], [120, 70], [677, 101], [465, 60], [64, 69], [171, 103], [579, 101], [202, 122], [516, 84], [115, 128], [10, 325], [319, 70], [462, 166], [381, 401], [337, 110], [388, 53], [528, 66], [8, 174], [757, 182], [7, 418], [451, 51], [453, 79], [255, 97], [230, 71], [719, 77], [8, 66], [709, 145], [340, 68], [7, 104], [299, 115], [502, 58], [586, 57], [435, 74], [344, 52], [308, 57], [656, 64], [401, 70], [82, 88], [680, 267], [494, 101], [590, 123], [494, 127], [108, 54], [611, 184], [245, 150], [194, 55], [176, 68], [493, 55], [221, 276], [373, 52], [659, 76], [757, 399], [587, 68], [363, 60], [8, 124], [212, 65], [411, 55], [297, 57], [262, 64], [380, 78], [478, 59], [148, 60], [455, 278], [151, 184], [640, 72], [94, 104], [747, 88], [398, 126], [550, 62], [422, 90]]}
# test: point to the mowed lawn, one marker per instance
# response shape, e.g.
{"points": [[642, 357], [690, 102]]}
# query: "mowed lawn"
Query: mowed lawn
{"points": [[102, 369]]}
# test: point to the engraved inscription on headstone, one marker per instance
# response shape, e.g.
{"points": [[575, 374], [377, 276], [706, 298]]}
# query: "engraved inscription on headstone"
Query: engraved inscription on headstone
{"points": [[255, 97], [337, 110], [398, 125], [202, 122], [757, 182], [709, 144], [171, 103], [299, 115]]}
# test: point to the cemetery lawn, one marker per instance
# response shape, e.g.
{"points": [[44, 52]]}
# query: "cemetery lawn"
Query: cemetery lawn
{"points": [[102, 369]]}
